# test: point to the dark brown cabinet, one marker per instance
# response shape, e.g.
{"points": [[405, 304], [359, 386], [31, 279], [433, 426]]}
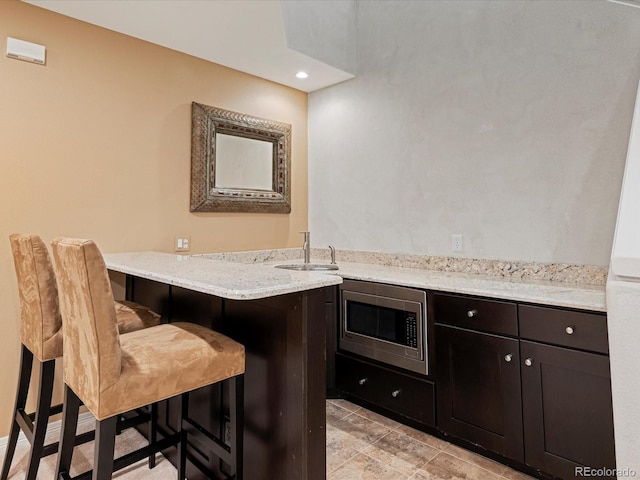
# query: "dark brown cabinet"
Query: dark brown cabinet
{"points": [[478, 382], [527, 382], [567, 409], [403, 394], [478, 372], [285, 378]]}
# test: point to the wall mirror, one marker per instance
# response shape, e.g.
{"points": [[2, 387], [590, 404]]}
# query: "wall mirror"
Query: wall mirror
{"points": [[239, 163]]}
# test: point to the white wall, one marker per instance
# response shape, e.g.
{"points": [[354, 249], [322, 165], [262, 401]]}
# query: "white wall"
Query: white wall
{"points": [[323, 30], [625, 257], [623, 304], [506, 122]]}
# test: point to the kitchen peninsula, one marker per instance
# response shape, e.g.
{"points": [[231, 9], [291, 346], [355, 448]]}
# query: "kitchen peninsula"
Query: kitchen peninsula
{"points": [[284, 319], [279, 317]]}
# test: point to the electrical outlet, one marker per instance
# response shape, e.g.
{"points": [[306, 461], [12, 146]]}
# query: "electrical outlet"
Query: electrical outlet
{"points": [[456, 243], [182, 244]]}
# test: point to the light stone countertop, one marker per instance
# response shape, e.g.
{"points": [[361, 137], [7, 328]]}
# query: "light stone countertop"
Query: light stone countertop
{"points": [[226, 276], [232, 280], [560, 294]]}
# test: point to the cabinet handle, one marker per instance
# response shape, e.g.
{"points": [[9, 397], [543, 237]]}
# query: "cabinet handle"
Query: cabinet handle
{"points": [[396, 393], [508, 357], [528, 362], [362, 381], [472, 313], [569, 330]]}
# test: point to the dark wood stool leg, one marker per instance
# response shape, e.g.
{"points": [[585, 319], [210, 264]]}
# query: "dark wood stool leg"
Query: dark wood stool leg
{"points": [[70, 413], [26, 362], [45, 392], [182, 452], [236, 414], [153, 426], [104, 448]]}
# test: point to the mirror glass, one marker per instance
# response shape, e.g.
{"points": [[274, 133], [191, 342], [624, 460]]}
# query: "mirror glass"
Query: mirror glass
{"points": [[243, 163], [239, 163]]}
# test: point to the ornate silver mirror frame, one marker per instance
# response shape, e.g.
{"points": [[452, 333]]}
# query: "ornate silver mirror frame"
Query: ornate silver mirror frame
{"points": [[209, 122]]}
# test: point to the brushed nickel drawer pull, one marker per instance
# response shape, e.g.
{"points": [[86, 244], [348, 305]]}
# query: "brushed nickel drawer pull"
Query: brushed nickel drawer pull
{"points": [[472, 313], [569, 330], [396, 393], [508, 357], [528, 362], [362, 381]]}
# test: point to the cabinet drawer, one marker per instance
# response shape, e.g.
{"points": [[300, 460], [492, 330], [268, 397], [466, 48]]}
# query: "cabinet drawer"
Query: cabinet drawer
{"points": [[402, 394], [586, 331], [475, 313]]}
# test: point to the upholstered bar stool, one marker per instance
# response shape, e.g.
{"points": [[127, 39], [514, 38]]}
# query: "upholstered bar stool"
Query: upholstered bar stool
{"points": [[112, 373], [41, 338]]}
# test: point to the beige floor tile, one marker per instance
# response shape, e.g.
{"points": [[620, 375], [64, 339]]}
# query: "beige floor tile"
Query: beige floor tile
{"points": [[382, 420], [447, 467], [512, 474], [476, 459], [401, 452], [339, 439], [347, 405], [363, 467], [423, 437], [361, 445], [341, 447], [361, 428], [336, 412], [126, 442]]}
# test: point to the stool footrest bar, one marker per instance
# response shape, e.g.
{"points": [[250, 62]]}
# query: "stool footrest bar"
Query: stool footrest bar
{"points": [[204, 469], [133, 457], [26, 424], [207, 440], [54, 410], [138, 419], [130, 458]]}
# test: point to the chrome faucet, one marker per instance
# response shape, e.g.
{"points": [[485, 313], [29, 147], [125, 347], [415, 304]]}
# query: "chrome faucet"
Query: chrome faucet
{"points": [[332, 249], [306, 248]]}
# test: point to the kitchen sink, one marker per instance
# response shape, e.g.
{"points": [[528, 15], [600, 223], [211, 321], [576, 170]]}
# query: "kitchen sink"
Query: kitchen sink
{"points": [[309, 267]]}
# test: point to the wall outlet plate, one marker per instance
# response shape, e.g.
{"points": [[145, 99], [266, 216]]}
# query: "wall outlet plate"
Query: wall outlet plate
{"points": [[182, 244], [456, 243]]}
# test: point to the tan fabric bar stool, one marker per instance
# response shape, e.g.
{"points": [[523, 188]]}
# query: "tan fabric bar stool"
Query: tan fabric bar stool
{"points": [[113, 373], [41, 337]]}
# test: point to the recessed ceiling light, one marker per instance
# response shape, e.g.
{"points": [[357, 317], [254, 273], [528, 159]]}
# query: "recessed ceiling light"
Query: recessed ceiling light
{"points": [[302, 74]]}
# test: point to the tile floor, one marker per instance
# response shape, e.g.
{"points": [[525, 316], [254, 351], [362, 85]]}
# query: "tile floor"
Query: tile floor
{"points": [[362, 445], [128, 441]]}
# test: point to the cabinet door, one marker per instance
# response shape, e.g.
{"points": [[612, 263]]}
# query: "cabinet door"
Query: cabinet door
{"points": [[478, 389], [567, 411]]}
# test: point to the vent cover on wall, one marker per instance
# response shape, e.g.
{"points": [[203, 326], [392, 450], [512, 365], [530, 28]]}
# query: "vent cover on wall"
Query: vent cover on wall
{"points": [[27, 51]]}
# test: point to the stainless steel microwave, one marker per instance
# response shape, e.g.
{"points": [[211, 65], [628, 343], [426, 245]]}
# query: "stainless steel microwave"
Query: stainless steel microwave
{"points": [[385, 323]]}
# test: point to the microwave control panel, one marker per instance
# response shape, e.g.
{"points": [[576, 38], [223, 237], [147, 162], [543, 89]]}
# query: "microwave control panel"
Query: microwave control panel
{"points": [[411, 326]]}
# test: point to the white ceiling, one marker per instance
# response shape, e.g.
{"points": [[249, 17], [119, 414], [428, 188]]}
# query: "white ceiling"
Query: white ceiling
{"points": [[246, 35]]}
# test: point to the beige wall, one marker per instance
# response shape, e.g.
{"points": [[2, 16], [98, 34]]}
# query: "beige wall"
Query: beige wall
{"points": [[96, 144]]}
